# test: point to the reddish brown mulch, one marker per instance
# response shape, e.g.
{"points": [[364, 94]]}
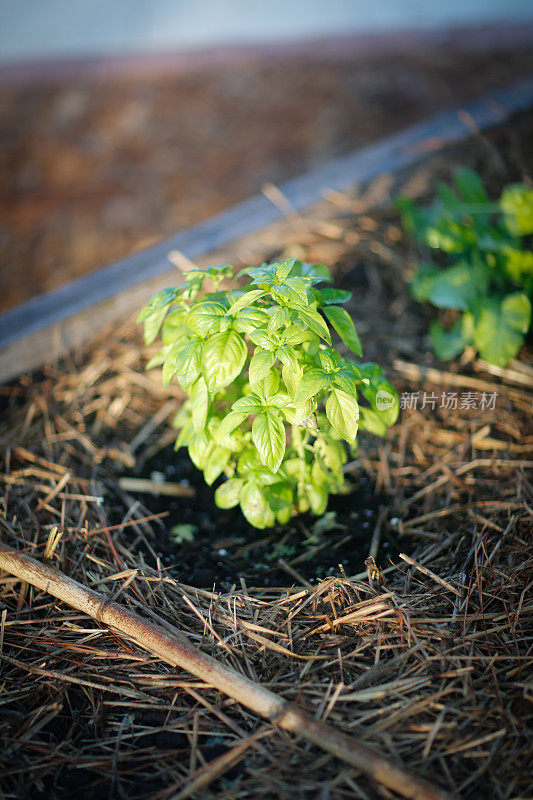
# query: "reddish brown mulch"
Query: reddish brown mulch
{"points": [[92, 169]]}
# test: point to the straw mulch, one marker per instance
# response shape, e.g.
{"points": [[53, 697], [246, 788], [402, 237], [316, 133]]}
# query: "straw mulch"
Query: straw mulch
{"points": [[424, 657]]}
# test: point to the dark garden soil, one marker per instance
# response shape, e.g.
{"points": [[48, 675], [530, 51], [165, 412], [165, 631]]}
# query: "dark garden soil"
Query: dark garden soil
{"points": [[422, 652], [226, 549]]}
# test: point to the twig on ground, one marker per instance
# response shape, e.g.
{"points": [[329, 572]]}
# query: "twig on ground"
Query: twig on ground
{"points": [[176, 650]]}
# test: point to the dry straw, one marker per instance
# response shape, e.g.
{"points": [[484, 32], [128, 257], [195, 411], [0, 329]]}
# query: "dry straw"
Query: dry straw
{"points": [[422, 659]]}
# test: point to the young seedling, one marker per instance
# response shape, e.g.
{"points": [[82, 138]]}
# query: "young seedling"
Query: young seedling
{"points": [[270, 401], [490, 280]]}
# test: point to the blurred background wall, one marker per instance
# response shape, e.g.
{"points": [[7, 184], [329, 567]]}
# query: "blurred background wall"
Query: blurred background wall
{"points": [[124, 121], [34, 29]]}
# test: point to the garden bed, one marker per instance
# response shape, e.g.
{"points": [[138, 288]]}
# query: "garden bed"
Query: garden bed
{"points": [[99, 162], [400, 617]]}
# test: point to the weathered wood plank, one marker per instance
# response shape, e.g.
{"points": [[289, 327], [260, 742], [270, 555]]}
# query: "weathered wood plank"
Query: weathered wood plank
{"points": [[48, 326]]}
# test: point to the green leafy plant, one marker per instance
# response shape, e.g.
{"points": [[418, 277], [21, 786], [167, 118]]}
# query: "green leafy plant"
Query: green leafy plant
{"points": [[270, 401], [490, 279]]}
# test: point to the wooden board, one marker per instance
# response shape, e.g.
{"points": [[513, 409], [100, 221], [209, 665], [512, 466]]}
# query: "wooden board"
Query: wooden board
{"points": [[48, 326]]}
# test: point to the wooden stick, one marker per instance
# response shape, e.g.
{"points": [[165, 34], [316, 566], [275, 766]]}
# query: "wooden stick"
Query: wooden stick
{"points": [[177, 650], [145, 486]]}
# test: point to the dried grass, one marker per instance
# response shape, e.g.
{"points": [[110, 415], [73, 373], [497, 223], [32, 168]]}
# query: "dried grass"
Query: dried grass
{"points": [[426, 659]]}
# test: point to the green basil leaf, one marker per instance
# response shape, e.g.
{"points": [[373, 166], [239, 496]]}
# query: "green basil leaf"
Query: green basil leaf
{"points": [[280, 499], [266, 273], [371, 421], [250, 319], [470, 186], [517, 205], [334, 455], [328, 297], [518, 265], [215, 463], [320, 477], [188, 364], [311, 345], [153, 324], [383, 398], [460, 285], [315, 322], [255, 507], [158, 359], [184, 361], [279, 399], [262, 339], [170, 365], [199, 448], [283, 516], [246, 300], [283, 268], [294, 335], [174, 326], [318, 498], [248, 461], [343, 324], [228, 495], [199, 397], [313, 381], [291, 377], [287, 356], [264, 476], [229, 423], [224, 356], [342, 411], [298, 287], [206, 318], [296, 469], [414, 219], [317, 272], [329, 359], [450, 343], [450, 236], [283, 295], [268, 434], [280, 317], [370, 370], [423, 281], [249, 404], [260, 364], [346, 379], [183, 416], [500, 327], [269, 385], [185, 435], [300, 414], [160, 301]]}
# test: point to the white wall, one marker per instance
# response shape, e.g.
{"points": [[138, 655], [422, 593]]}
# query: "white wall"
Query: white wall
{"points": [[37, 29]]}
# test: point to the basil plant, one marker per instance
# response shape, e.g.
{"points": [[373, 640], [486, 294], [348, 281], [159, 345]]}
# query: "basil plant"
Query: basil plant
{"points": [[488, 277], [271, 404]]}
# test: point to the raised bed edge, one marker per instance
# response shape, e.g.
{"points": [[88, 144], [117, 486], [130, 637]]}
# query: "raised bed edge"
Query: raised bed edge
{"points": [[46, 327]]}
